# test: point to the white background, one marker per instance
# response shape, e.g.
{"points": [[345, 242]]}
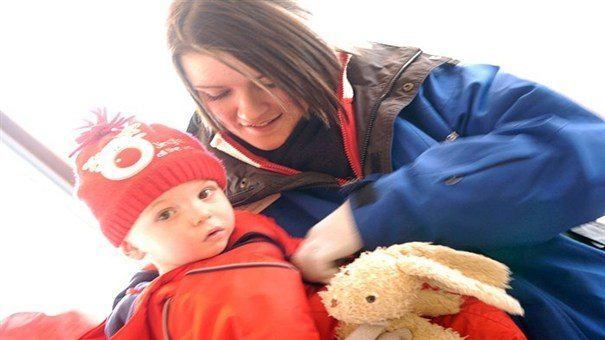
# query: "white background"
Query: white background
{"points": [[60, 59]]}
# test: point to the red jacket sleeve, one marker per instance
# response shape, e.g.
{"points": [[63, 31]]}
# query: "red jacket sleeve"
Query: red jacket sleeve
{"points": [[32, 325], [290, 243], [273, 230], [480, 321]]}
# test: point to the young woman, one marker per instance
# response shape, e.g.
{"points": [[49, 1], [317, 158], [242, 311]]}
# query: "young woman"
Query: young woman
{"points": [[464, 156]]}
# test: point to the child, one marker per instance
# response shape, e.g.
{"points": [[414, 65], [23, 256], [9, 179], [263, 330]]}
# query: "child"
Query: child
{"points": [[158, 195]]}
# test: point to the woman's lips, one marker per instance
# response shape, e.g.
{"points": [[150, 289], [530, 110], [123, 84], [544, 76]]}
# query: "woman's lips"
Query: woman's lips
{"points": [[262, 124]]}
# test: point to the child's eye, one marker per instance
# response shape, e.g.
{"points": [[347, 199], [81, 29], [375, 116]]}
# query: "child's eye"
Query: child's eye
{"points": [[206, 193], [165, 214]]}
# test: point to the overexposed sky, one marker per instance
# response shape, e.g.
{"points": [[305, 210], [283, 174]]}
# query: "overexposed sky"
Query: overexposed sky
{"points": [[60, 59]]}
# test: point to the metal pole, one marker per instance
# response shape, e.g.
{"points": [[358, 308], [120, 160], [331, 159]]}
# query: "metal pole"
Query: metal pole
{"points": [[38, 155]]}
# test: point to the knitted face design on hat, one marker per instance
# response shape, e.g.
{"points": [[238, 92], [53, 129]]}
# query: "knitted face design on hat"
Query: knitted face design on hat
{"points": [[123, 165], [124, 156]]}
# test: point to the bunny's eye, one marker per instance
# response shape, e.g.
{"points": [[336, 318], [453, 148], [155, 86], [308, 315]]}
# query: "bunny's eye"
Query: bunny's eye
{"points": [[346, 273], [370, 298]]}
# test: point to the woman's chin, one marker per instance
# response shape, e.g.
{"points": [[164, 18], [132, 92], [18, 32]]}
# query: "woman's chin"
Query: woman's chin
{"points": [[265, 139], [266, 145]]}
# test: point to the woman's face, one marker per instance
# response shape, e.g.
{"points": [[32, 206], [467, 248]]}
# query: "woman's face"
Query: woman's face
{"points": [[241, 106]]}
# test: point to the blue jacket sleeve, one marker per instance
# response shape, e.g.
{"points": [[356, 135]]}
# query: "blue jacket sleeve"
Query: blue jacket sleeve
{"points": [[529, 164]]}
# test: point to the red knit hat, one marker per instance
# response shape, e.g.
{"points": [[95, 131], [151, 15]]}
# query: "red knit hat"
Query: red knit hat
{"points": [[123, 165]]}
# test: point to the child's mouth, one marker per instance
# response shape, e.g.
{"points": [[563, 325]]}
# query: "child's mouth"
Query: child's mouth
{"points": [[215, 233]]}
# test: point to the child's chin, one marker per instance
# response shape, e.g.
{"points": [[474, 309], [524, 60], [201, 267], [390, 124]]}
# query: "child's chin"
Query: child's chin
{"points": [[218, 247]]}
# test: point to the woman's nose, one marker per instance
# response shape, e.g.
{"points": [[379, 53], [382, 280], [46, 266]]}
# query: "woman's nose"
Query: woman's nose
{"points": [[252, 106]]}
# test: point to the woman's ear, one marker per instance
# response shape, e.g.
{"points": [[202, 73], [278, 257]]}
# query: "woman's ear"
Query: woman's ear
{"points": [[131, 251]]}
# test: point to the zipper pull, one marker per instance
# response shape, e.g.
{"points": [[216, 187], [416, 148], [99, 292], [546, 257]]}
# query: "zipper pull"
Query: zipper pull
{"points": [[452, 137]]}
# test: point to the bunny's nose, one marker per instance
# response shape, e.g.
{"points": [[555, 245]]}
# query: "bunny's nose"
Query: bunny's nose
{"points": [[333, 303]]}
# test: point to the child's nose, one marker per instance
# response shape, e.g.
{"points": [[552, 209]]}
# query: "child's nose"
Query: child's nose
{"points": [[200, 215]]}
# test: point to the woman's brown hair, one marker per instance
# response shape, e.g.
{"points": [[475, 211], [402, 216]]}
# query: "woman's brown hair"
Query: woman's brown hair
{"points": [[268, 36]]}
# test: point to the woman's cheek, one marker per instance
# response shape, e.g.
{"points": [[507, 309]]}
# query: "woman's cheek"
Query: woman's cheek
{"points": [[222, 114]]}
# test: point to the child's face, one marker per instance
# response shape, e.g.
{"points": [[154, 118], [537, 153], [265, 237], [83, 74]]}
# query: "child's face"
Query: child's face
{"points": [[190, 222]]}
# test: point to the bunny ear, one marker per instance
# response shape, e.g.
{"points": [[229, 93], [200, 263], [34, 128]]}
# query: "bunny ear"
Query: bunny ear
{"points": [[472, 265], [452, 280]]}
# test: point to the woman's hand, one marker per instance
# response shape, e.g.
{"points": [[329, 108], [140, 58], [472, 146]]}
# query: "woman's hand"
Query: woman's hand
{"points": [[333, 238]]}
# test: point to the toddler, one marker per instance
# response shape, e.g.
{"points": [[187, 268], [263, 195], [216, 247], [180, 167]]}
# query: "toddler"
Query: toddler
{"points": [[158, 195]]}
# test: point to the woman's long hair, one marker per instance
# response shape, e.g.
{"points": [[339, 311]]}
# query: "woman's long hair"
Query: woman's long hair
{"points": [[268, 36]]}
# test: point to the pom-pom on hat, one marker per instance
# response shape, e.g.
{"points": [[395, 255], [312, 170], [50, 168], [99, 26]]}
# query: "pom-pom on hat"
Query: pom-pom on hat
{"points": [[123, 165]]}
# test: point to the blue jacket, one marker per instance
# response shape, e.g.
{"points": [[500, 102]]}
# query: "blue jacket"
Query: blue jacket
{"points": [[529, 164]]}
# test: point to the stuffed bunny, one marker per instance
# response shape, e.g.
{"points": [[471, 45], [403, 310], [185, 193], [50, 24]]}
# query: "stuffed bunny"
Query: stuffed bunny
{"points": [[387, 293]]}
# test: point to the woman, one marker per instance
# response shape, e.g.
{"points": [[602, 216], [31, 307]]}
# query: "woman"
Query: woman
{"points": [[464, 156]]}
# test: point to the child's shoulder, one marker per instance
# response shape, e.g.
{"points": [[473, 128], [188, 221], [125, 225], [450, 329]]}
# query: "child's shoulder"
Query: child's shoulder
{"points": [[246, 221], [248, 216]]}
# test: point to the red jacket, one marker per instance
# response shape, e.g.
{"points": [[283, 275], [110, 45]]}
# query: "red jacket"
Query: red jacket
{"points": [[252, 292], [248, 292]]}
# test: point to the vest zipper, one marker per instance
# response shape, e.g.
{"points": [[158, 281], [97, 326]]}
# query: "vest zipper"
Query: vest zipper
{"points": [[355, 166], [373, 112], [349, 142]]}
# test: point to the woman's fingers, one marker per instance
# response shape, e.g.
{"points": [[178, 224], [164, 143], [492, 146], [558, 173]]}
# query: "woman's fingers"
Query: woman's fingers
{"points": [[333, 238], [314, 263]]}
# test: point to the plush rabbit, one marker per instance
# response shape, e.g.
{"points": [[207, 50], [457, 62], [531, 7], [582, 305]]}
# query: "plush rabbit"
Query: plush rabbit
{"points": [[383, 294]]}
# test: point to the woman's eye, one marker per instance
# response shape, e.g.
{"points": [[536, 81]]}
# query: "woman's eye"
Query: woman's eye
{"points": [[210, 98], [207, 192], [164, 215], [270, 85]]}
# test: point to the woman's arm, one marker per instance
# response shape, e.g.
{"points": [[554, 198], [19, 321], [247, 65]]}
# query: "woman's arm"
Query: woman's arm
{"points": [[529, 165]]}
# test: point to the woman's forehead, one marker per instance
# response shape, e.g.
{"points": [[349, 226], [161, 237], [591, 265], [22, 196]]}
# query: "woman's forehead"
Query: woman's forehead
{"points": [[206, 70]]}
